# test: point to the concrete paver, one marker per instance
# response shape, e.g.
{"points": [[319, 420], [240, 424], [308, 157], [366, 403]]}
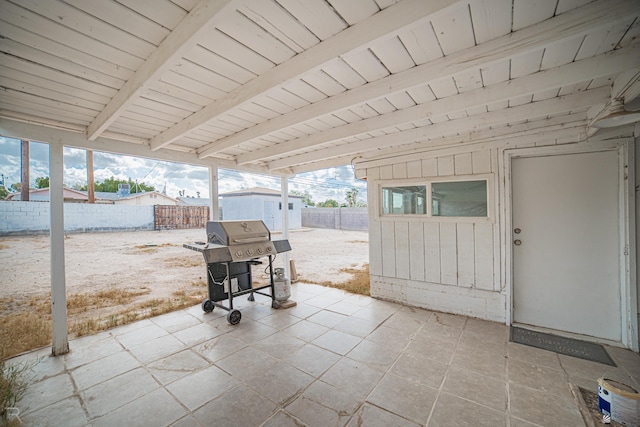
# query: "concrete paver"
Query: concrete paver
{"points": [[368, 363]]}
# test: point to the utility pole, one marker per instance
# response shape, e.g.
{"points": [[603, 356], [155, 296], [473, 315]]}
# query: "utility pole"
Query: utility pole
{"points": [[91, 195], [24, 186]]}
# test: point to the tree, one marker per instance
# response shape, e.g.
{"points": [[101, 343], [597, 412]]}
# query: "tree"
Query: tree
{"points": [[329, 203], [352, 197], [42, 182], [110, 185], [307, 197], [3, 192], [16, 187]]}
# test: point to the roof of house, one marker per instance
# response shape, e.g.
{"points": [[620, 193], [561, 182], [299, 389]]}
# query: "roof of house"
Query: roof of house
{"points": [[115, 196], [194, 201], [42, 194], [262, 191]]}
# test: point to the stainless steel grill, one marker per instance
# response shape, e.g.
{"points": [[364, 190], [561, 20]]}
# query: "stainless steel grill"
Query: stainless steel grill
{"points": [[231, 248]]}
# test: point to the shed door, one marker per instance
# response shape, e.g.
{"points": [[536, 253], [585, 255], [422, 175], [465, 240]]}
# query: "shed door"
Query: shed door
{"points": [[269, 214], [566, 266]]}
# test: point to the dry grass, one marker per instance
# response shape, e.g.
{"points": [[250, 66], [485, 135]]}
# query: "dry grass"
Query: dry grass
{"points": [[30, 328], [24, 331], [358, 284], [152, 248], [3, 246], [184, 261]]}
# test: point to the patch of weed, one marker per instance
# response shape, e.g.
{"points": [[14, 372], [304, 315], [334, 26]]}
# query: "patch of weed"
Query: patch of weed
{"points": [[358, 284]]}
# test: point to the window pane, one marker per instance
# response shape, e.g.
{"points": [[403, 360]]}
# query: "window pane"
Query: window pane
{"points": [[404, 200], [462, 198]]}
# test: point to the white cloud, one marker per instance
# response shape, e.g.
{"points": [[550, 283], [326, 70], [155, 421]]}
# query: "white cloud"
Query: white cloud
{"points": [[324, 184]]}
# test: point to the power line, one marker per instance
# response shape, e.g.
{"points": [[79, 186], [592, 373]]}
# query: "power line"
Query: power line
{"points": [[155, 166]]}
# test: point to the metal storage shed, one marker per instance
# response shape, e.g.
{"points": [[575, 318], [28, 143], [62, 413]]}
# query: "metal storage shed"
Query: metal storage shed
{"points": [[264, 204]]}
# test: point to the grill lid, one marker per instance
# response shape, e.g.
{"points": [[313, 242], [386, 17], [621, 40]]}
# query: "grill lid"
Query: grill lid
{"points": [[232, 233]]}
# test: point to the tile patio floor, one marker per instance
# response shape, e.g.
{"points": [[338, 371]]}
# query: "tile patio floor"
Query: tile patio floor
{"points": [[335, 359]]}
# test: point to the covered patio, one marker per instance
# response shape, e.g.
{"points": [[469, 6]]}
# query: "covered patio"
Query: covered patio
{"points": [[335, 359], [438, 105]]}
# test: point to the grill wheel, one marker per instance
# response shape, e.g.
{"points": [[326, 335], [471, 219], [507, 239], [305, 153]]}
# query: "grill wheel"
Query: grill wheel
{"points": [[208, 306], [234, 317]]}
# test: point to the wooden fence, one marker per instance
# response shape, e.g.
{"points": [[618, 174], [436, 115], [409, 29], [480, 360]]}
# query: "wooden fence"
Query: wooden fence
{"points": [[174, 217]]}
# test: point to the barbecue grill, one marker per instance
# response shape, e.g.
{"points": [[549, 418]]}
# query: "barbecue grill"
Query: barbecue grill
{"points": [[231, 249]]}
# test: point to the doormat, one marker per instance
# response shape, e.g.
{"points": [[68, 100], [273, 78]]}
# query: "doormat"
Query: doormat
{"points": [[562, 345]]}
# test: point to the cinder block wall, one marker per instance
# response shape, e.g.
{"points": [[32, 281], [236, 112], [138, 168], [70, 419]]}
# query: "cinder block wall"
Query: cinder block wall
{"points": [[18, 218], [338, 218]]}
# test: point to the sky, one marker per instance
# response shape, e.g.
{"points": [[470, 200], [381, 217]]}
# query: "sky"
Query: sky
{"points": [[332, 183]]}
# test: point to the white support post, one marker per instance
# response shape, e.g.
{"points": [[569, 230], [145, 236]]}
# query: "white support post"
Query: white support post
{"points": [[213, 193], [284, 188], [58, 286]]}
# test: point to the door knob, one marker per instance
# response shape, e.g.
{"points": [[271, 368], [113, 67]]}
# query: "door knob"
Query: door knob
{"points": [[517, 242]]}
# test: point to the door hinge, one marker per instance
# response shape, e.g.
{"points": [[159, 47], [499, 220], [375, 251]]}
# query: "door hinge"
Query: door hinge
{"points": [[626, 250]]}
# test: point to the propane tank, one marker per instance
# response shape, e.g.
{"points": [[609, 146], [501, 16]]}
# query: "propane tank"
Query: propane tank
{"points": [[281, 285]]}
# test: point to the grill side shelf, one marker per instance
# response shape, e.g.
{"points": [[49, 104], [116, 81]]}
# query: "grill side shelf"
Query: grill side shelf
{"points": [[211, 252], [281, 245]]}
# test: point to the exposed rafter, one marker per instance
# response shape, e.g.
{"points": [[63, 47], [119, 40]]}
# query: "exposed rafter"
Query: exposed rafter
{"points": [[381, 25], [501, 117], [575, 72], [450, 146], [182, 39], [571, 24], [12, 128], [480, 139]]}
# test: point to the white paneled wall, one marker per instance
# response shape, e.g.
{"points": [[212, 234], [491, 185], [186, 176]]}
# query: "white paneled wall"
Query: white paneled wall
{"points": [[437, 263]]}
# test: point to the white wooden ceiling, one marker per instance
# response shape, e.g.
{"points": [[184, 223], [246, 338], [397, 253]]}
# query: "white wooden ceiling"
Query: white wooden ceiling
{"points": [[286, 86]]}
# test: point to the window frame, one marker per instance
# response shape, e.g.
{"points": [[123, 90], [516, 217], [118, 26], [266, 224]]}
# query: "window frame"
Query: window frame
{"points": [[290, 206], [429, 217], [426, 200]]}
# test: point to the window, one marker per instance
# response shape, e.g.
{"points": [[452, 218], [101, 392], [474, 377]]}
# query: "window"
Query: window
{"points": [[460, 198], [404, 200], [437, 199], [290, 206]]}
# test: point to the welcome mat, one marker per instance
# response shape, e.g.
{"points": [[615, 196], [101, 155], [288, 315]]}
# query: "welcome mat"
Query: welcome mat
{"points": [[567, 346]]}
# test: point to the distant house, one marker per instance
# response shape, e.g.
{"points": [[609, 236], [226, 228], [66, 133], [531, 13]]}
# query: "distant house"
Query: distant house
{"points": [[261, 203], [42, 195], [149, 198]]}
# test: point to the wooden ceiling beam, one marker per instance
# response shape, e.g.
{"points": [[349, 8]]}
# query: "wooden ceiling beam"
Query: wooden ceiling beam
{"points": [[383, 24], [524, 139], [12, 128], [575, 72], [549, 107], [459, 144], [450, 145], [570, 24], [182, 39]]}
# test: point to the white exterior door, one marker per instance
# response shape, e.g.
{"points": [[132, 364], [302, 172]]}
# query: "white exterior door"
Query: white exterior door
{"points": [[269, 214], [566, 243]]}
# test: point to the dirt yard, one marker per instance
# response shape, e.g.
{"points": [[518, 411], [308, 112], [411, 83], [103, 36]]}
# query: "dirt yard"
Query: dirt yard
{"points": [[155, 261]]}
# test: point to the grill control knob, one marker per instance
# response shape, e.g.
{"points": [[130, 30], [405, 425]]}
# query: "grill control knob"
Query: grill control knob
{"points": [[268, 248], [238, 253], [260, 250], [249, 252]]}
